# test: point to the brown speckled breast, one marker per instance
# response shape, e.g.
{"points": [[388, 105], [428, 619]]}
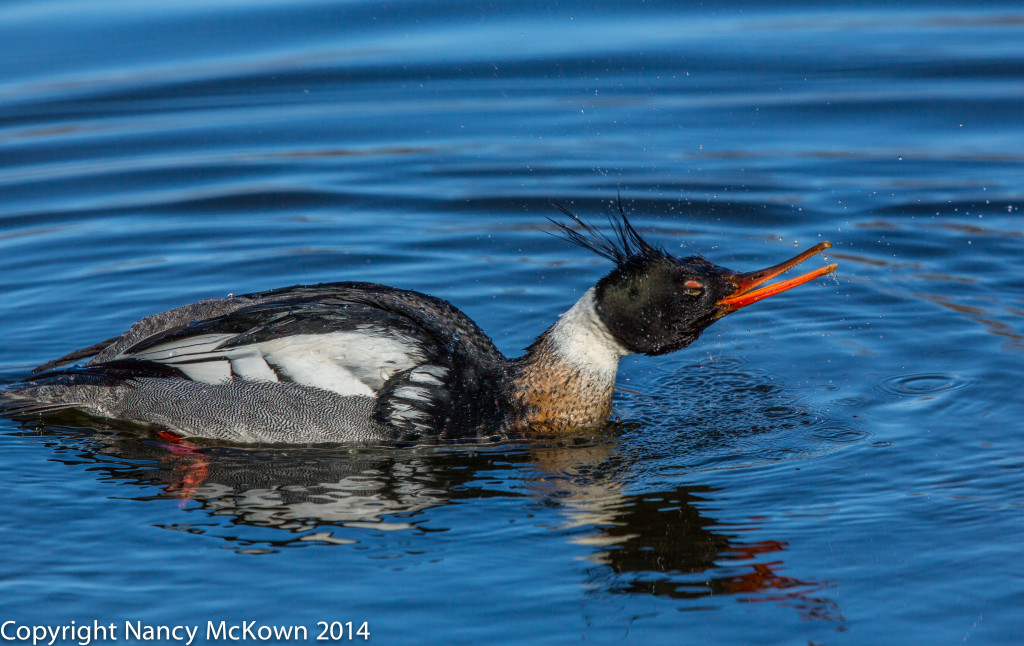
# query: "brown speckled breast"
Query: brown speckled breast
{"points": [[558, 396]]}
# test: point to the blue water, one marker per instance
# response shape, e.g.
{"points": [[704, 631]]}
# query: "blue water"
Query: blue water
{"points": [[843, 464]]}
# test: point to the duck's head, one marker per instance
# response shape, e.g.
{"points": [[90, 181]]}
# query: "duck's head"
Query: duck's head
{"points": [[654, 302]]}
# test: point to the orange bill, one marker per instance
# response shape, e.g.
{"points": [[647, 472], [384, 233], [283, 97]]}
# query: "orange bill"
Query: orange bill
{"points": [[746, 293]]}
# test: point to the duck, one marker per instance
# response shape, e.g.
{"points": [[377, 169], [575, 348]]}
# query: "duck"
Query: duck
{"points": [[361, 362]]}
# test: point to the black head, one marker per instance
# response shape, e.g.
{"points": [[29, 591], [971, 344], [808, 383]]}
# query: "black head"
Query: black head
{"points": [[654, 302]]}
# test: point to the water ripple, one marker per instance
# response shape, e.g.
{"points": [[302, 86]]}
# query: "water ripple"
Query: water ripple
{"points": [[743, 417], [922, 385]]}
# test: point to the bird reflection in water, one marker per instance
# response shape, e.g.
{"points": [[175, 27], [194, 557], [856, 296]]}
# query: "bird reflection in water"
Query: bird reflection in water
{"points": [[658, 543], [661, 542]]}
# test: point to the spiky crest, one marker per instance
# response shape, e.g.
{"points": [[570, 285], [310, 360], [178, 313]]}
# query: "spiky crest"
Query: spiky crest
{"points": [[624, 243]]}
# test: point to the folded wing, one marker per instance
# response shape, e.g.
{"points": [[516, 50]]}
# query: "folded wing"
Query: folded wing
{"points": [[397, 348]]}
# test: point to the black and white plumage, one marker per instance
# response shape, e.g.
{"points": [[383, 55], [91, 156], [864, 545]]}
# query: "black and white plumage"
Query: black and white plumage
{"points": [[342, 362], [331, 362]]}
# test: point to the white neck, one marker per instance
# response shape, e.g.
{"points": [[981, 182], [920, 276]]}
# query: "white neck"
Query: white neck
{"points": [[583, 341]]}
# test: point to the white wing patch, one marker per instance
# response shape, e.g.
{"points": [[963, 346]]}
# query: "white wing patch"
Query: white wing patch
{"points": [[196, 356], [181, 349], [211, 372], [252, 366], [353, 362]]}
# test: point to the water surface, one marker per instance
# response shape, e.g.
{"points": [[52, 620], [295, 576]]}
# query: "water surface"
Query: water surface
{"points": [[840, 465]]}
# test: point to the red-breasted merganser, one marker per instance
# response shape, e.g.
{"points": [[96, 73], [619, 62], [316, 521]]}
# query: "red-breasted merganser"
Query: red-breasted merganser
{"points": [[342, 362]]}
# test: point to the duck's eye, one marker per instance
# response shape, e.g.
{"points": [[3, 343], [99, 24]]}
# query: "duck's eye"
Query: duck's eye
{"points": [[692, 288]]}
